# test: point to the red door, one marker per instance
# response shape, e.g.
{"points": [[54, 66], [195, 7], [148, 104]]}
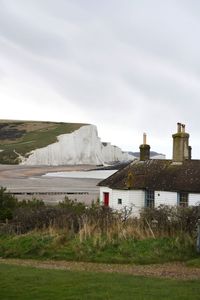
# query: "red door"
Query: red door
{"points": [[106, 199]]}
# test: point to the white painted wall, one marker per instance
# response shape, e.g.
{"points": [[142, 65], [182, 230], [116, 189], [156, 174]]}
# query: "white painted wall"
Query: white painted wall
{"points": [[171, 198], [165, 198], [136, 199], [194, 199], [130, 198], [120, 194]]}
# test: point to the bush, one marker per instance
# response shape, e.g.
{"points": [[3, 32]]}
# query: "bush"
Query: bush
{"points": [[34, 203], [171, 220], [72, 206], [27, 219], [8, 203]]}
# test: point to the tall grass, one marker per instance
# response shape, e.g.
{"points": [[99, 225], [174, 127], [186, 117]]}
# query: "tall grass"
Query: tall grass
{"points": [[86, 222]]}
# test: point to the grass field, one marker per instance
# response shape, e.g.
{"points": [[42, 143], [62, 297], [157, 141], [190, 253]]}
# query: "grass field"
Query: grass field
{"points": [[30, 283], [25, 136]]}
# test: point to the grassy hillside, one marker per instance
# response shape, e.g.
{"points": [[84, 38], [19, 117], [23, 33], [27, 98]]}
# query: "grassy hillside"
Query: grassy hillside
{"points": [[24, 136]]}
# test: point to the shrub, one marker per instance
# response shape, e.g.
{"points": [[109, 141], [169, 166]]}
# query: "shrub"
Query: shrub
{"points": [[28, 219], [72, 206], [170, 220], [8, 203], [34, 203]]}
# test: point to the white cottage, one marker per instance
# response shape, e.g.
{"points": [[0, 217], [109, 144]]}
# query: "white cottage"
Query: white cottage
{"points": [[153, 182]]}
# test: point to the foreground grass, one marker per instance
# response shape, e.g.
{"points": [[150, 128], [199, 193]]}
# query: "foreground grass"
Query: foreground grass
{"points": [[30, 283], [38, 245], [194, 262]]}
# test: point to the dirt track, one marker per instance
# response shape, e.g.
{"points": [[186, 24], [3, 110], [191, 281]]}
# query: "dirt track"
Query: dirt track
{"points": [[167, 270]]}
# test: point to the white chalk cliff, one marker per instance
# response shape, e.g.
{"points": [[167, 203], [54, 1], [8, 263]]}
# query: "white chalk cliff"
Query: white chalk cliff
{"points": [[83, 146]]}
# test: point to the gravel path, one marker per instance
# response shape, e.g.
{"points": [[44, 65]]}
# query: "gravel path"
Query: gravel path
{"points": [[168, 270]]}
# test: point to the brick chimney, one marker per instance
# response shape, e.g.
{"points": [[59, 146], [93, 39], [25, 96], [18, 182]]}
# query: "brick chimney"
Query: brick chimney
{"points": [[181, 148], [144, 149]]}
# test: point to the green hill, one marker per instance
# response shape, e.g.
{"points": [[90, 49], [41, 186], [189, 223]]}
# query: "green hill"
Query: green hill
{"points": [[24, 136]]}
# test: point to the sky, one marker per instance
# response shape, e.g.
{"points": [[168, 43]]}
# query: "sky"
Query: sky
{"points": [[127, 67]]}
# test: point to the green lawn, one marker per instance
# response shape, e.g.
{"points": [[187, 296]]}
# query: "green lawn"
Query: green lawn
{"points": [[30, 283]]}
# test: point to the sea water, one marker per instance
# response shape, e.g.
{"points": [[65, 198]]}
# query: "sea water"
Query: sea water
{"points": [[94, 174]]}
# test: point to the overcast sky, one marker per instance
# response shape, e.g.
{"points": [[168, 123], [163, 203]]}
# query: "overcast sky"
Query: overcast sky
{"points": [[128, 66]]}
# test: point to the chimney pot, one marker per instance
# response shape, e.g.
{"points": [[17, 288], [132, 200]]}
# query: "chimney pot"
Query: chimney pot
{"points": [[178, 127], [144, 138], [183, 128]]}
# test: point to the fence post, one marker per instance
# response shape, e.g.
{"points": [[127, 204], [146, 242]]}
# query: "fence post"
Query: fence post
{"points": [[198, 236]]}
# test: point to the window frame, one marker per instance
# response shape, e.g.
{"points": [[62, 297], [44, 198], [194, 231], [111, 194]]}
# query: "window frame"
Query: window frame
{"points": [[183, 199], [150, 198], [119, 201]]}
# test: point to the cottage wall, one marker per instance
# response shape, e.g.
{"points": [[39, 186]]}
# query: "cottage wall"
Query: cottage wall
{"points": [[129, 198], [119, 199], [117, 195], [165, 198], [137, 199], [194, 199]]}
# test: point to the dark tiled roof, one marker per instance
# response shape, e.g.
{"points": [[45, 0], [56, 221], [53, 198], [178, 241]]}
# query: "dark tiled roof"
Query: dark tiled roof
{"points": [[163, 175]]}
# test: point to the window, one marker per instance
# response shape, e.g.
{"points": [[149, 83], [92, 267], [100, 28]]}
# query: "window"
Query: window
{"points": [[149, 201], [119, 201], [183, 199]]}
